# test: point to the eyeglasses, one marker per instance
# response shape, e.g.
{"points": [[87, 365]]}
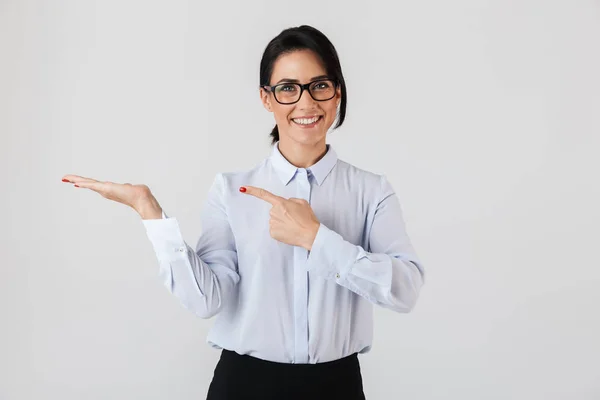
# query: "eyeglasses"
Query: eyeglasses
{"points": [[290, 93]]}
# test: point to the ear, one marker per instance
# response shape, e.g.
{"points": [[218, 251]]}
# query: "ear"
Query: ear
{"points": [[338, 96], [265, 99]]}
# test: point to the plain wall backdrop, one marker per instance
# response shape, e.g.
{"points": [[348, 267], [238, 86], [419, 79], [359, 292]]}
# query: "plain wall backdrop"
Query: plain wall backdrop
{"points": [[484, 115]]}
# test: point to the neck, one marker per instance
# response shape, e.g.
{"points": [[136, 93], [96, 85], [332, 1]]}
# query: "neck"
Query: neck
{"points": [[301, 155]]}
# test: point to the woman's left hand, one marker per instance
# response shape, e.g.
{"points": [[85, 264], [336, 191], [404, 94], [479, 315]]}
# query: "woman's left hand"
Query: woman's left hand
{"points": [[292, 220]]}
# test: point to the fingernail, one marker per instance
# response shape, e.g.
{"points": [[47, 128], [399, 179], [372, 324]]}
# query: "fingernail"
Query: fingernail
{"points": [[242, 189], [65, 180], [76, 185]]}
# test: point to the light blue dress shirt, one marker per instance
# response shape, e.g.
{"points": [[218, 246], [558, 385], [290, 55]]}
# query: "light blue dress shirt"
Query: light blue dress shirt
{"points": [[279, 302]]}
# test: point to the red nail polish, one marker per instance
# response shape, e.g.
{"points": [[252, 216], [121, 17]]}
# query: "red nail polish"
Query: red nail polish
{"points": [[76, 185], [65, 180], [242, 189]]}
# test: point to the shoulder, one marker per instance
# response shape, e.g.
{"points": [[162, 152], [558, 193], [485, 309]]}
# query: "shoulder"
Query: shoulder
{"points": [[368, 180]]}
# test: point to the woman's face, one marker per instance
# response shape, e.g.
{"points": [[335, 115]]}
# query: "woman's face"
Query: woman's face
{"points": [[301, 66]]}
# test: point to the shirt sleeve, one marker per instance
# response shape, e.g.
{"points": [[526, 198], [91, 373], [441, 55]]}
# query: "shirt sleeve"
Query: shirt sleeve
{"points": [[390, 274], [202, 278]]}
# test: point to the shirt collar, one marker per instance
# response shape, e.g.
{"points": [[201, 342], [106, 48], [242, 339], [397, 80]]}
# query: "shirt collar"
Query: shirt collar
{"points": [[286, 171]]}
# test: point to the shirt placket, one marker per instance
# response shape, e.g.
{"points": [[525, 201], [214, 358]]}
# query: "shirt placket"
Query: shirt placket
{"points": [[301, 281]]}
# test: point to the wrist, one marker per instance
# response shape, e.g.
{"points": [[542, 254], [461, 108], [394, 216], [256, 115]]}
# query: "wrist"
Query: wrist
{"points": [[149, 208], [312, 235]]}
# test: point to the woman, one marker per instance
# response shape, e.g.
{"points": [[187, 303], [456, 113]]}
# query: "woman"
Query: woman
{"points": [[294, 252]]}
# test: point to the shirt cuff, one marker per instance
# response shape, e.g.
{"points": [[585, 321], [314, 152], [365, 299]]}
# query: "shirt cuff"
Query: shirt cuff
{"points": [[165, 236], [331, 256]]}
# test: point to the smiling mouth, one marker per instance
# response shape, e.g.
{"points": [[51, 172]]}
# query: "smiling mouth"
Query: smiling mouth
{"points": [[307, 122]]}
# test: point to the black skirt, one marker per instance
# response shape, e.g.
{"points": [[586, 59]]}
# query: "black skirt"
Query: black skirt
{"points": [[245, 377]]}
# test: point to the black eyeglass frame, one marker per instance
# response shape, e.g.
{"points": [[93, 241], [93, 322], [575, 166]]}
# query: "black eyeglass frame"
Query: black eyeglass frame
{"points": [[304, 87]]}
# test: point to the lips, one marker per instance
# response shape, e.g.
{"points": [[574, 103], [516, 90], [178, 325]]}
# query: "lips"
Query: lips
{"points": [[307, 120]]}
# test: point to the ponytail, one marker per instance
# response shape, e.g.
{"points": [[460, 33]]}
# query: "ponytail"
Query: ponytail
{"points": [[275, 135]]}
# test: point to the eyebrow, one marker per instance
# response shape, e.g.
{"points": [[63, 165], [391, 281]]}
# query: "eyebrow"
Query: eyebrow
{"points": [[297, 81]]}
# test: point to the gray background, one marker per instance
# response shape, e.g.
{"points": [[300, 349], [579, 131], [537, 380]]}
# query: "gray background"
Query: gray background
{"points": [[485, 116]]}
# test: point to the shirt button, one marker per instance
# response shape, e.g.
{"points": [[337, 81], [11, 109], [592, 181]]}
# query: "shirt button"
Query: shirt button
{"points": [[182, 249], [337, 276]]}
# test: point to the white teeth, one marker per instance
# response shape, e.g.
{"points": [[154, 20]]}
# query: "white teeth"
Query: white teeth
{"points": [[305, 121]]}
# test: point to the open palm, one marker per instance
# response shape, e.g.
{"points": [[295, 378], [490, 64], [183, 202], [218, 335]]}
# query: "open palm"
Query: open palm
{"points": [[135, 196]]}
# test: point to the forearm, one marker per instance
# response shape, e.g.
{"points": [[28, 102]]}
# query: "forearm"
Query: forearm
{"points": [[202, 280], [201, 288], [392, 280], [384, 280]]}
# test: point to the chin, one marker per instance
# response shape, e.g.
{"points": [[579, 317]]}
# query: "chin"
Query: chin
{"points": [[307, 137]]}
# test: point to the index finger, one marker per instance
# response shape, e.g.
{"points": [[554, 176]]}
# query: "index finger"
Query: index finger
{"points": [[262, 194]]}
